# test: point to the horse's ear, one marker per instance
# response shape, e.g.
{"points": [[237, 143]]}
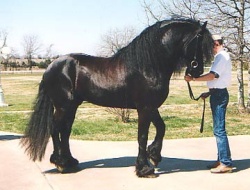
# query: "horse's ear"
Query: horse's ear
{"points": [[204, 25]]}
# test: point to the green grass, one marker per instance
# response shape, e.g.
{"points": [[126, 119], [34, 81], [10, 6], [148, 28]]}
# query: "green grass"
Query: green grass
{"points": [[14, 122], [181, 115]]}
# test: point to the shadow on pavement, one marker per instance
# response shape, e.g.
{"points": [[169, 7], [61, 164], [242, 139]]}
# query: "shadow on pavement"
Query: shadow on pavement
{"points": [[9, 137], [168, 165], [171, 165]]}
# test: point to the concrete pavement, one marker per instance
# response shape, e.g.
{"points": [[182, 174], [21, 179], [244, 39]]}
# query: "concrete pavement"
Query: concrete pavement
{"points": [[110, 166]]}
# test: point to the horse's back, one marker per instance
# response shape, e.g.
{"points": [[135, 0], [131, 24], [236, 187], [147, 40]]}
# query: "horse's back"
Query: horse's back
{"points": [[102, 81], [94, 79]]}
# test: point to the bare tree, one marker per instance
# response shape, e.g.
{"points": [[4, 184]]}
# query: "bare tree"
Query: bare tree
{"points": [[232, 17], [112, 42], [228, 17], [3, 48], [115, 39], [31, 46], [157, 10], [49, 52], [3, 38]]}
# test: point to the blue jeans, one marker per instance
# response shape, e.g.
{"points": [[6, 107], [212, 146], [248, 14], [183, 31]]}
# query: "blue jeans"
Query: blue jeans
{"points": [[218, 101]]}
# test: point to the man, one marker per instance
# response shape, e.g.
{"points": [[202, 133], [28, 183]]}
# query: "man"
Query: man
{"points": [[218, 79]]}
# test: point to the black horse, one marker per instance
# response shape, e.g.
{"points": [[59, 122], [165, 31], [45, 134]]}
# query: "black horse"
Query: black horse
{"points": [[136, 77]]}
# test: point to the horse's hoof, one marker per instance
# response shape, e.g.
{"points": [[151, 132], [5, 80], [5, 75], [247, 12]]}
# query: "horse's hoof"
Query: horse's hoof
{"points": [[147, 172], [64, 165], [65, 170], [72, 162]]}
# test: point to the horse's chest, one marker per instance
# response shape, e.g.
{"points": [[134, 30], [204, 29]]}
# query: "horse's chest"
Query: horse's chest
{"points": [[150, 91]]}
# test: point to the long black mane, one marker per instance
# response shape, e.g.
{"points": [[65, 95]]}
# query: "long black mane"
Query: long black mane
{"points": [[147, 49]]}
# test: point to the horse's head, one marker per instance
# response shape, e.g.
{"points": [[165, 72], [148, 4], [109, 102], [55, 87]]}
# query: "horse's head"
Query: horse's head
{"points": [[189, 42], [194, 53]]}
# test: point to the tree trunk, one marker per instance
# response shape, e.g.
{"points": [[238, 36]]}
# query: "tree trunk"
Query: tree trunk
{"points": [[241, 105], [30, 63], [248, 101]]}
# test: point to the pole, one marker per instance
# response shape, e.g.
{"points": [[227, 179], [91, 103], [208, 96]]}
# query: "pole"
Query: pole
{"points": [[5, 53], [2, 102]]}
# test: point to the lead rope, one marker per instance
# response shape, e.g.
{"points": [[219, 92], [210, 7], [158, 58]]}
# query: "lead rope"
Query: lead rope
{"points": [[204, 105]]}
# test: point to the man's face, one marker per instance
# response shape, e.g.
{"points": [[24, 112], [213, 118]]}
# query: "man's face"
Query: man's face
{"points": [[217, 47]]}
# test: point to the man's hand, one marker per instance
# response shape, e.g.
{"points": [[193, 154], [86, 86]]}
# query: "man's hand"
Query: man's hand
{"points": [[188, 78], [205, 95]]}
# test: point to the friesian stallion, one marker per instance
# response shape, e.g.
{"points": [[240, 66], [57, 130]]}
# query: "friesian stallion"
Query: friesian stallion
{"points": [[136, 77]]}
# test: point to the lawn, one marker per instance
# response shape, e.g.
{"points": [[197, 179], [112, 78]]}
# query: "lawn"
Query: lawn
{"points": [[181, 114]]}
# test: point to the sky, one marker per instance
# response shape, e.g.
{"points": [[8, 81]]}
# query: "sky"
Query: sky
{"points": [[72, 26]]}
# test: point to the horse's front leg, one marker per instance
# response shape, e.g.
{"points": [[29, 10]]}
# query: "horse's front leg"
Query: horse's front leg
{"points": [[143, 169], [154, 150]]}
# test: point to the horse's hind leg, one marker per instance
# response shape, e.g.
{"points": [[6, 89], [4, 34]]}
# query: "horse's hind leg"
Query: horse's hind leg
{"points": [[154, 150], [63, 120]]}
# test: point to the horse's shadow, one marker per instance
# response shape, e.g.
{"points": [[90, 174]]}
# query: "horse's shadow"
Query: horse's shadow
{"points": [[9, 137], [167, 165]]}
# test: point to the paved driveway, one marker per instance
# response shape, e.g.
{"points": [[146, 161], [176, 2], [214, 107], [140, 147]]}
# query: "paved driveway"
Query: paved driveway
{"points": [[110, 166]]}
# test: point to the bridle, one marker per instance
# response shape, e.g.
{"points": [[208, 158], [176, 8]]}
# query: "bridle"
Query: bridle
{"points": [[194, 64]]}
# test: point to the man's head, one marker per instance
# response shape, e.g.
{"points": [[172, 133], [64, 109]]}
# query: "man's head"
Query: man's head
{"points": [[218, 43]]}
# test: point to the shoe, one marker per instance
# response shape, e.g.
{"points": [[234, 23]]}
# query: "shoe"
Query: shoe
{"points": [[214, 165], [221, 169]]}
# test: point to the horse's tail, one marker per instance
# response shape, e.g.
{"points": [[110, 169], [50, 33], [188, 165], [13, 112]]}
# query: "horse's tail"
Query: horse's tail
{"points": [[39, 128]]}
